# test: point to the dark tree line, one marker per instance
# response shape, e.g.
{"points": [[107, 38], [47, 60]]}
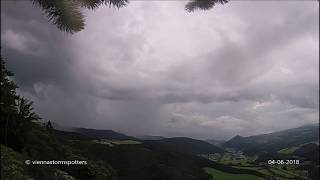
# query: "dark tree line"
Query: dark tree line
{"points": [[16, 112], [67, 15]]}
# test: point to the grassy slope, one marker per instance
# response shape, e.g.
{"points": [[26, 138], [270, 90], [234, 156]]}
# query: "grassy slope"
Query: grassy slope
{"points": [[43, 145], [14, 168], [219, 175]]}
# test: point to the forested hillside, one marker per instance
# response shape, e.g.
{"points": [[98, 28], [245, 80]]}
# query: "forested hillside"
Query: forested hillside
{"points": [[276, 141]]}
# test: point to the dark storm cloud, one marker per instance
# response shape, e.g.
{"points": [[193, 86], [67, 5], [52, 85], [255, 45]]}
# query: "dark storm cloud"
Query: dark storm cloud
{"points": [[42, 54], [152, 68], [237, 65]]}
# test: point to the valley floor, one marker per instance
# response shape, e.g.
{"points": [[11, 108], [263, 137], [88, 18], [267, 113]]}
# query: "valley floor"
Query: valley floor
{"points": [[220, 175], [240, 161]]}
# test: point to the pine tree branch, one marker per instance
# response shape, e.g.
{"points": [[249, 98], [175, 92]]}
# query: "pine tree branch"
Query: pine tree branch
{"points": [[65, 14], [203, 4]]}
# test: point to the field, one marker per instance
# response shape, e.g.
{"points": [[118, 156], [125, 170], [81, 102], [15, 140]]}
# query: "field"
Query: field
{"points": [[219, 175], [236, 159], [288, 150], [111, 143], [241, 161]]}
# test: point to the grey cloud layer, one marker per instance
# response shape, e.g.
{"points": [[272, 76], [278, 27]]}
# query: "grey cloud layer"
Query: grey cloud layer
{"points": [[152, 68]]}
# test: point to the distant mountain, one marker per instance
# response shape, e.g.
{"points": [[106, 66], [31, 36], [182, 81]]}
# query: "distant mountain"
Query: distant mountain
{"points": [[59, 127], [147, 137], [276, 141], [68, 135], [184, 145], [93, 133], [103, 134], [215, 142]]}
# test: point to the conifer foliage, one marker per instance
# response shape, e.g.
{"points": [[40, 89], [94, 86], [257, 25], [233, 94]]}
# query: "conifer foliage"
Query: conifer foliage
{"points": [[67, 15], [16, 112]]}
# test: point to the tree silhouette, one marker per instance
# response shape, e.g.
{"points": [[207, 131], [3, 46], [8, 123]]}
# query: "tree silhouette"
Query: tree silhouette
{"points": [[49, 126], [67, 15], [202, 4], [7, 100], [16, 112], [25, 110]]}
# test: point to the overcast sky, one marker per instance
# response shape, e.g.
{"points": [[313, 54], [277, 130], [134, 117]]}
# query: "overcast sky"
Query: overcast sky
{"points": [[152, 68]]}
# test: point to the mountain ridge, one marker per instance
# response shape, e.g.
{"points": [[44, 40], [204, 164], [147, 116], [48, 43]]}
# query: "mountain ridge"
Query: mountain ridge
{"points": [[275, 141]]}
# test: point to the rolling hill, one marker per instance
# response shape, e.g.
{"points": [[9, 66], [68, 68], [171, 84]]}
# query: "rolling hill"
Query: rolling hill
{"points": [[103, 134], [309, 151], [276, 141], [215, 141], [148, 137], [93, 133], [185, 145]]}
